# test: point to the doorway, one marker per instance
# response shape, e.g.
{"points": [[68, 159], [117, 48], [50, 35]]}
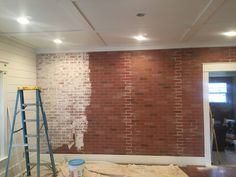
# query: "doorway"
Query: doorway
{"points": [[219, 99], [222, 100]]}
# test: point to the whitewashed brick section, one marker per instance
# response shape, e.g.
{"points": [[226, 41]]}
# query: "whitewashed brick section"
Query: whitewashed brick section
{"points": [[66, 91]]}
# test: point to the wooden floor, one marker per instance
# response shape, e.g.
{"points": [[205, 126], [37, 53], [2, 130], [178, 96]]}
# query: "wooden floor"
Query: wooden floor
{"points": [[223, 171]]}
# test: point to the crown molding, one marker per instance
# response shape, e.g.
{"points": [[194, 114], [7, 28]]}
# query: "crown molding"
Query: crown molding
{"points": [[135, 48]]}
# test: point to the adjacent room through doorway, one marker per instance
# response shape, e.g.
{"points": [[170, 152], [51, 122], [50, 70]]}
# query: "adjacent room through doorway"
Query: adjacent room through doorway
{"points": [[222, 99]]}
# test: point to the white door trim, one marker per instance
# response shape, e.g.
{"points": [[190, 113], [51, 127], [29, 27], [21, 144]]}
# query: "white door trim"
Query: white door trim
{"points": [[211, 67], [3, 112], [2, 116]]}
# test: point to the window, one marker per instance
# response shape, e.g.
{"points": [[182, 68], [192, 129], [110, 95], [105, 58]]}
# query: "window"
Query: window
{"points": [[217, 92]]}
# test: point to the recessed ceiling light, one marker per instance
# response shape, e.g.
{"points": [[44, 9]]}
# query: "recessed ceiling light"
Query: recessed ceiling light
{"points": [[140, 14], [140, 38], [230, 33], [57, 41], [23, 20]]}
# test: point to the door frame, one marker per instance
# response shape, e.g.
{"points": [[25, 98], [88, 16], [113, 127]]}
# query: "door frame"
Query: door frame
{"points": [[3, 110], [211, 67]]}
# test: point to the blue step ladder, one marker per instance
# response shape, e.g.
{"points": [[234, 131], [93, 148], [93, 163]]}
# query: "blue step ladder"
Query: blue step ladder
{"points": [[39, 114]]}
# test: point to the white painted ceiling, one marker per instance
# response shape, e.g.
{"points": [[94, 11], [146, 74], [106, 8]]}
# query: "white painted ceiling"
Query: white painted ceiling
{"points": [[98, 25]]}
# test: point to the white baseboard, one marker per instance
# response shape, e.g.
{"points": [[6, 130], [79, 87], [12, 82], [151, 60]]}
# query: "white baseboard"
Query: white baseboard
{"points": [[132, 159]]}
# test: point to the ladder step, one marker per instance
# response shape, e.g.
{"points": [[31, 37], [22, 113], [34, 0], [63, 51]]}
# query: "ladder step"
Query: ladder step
{"points": [[42, 164], [29, 104], [23, 145], [32, 120], [30, 136], [33, 135], [30, 110], [20, 145], [24, 110], [16, 131], [35, 150]]}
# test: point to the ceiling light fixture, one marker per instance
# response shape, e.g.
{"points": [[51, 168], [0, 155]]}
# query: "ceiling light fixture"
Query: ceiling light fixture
{"points": [[140, 14], [140, 38], [230, 33], [57, 41], [23, 20]]}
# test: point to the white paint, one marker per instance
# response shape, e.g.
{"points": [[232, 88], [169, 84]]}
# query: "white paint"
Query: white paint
{"points": [[79, 126], [68, 89], [83, 93], [131, 159], [211, 67]]}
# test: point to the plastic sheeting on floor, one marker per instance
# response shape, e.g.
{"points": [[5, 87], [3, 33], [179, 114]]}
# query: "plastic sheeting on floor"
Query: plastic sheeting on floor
{"points": [[106, 169]]}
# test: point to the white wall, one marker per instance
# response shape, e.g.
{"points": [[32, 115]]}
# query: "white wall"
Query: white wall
{"points": [[2, 149], [21, 70]]}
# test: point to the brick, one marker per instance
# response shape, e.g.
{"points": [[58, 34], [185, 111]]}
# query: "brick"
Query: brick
{"points": [[139, 102]]}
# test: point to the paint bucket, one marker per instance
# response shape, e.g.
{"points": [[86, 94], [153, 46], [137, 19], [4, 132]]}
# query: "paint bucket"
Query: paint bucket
{"points": [[76, 167]]}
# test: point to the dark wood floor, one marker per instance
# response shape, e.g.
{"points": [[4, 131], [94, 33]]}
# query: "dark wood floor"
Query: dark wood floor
{"points": [[221, 171]]}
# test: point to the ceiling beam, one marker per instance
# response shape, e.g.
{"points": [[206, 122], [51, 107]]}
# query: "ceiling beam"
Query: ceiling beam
{"points": [[87, 21], [208, 11]]}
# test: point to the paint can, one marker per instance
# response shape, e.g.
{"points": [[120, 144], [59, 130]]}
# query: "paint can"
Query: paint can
{"points": [[76, 167]]}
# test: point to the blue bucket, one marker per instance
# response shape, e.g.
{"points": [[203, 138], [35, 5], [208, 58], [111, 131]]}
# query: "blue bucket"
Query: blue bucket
{"points": [[76, 167]]}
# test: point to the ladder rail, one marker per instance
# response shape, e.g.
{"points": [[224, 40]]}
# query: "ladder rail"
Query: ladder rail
{"points": [[25, 138], [11, 136], [47, 136], [37, 133]]}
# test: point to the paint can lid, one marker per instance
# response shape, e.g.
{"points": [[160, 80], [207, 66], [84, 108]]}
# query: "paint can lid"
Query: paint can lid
{"points": [[76, 162]]}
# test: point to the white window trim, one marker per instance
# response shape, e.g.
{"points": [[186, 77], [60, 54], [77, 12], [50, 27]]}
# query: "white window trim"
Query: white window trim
{"points": [[211, 67], [3, 112]]}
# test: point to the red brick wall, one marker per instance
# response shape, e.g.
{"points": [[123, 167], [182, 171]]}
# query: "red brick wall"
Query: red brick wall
{"points": [[147, 102]]}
